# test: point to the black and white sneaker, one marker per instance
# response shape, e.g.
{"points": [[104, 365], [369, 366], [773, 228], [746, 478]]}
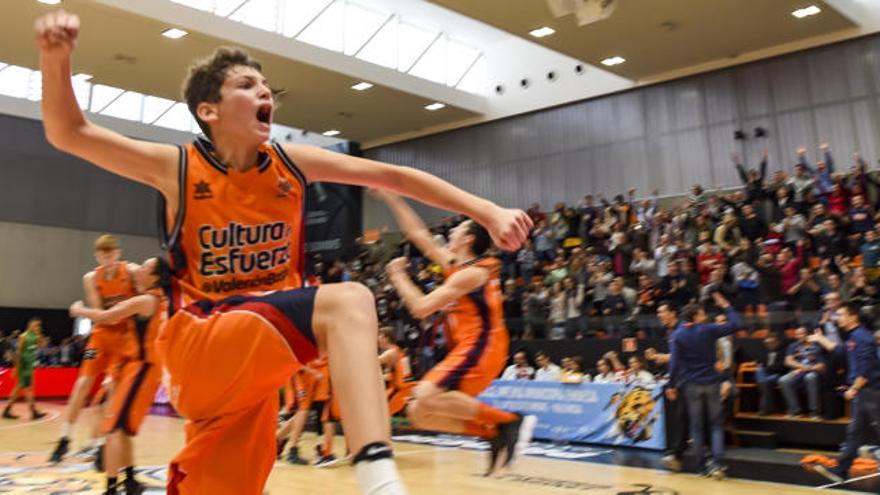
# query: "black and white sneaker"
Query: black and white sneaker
{"points": [[60, 450], [672, 463], [133, 487], [280, 443], [294, 458], [87, 453], [326, 461], [496, 446], [517, 436], [716, 472], [99, 459]]}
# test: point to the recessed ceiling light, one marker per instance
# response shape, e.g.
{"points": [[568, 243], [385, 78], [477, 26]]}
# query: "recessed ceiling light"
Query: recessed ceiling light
{"points": [[174, 33], [50, 2], [542, 32], [361, 86], [806, 11], [613, 61], [82, 77], [331, 133], [434, 106]]}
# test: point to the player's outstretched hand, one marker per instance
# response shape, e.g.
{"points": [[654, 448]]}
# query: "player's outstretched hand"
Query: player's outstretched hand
{"points": [[56, 33], [75, 307], [396, 265], [509, 228]]}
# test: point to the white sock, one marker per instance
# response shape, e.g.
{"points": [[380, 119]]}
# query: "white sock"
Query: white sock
{"points": [[379, 477], [66, 428]]}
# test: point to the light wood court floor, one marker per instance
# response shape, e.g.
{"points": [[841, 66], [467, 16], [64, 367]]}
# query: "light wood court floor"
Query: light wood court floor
{"points": [[427, 470]]}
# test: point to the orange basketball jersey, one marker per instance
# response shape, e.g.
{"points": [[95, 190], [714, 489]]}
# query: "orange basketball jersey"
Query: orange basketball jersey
{"points": [[236, 232], [117, 288], [479, 314], [322, 388], [147, 330], [401, 371]]}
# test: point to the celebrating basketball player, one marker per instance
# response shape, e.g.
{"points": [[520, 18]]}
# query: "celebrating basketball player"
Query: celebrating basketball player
{"points": [[140, 374], [234, 217], [445, 399], [108, 284]]}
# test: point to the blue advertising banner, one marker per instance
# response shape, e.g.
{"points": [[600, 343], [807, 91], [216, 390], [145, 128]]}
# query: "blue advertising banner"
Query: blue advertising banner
{"points": [[609, 414]]}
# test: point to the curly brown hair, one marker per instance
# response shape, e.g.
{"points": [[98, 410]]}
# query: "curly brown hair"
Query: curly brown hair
{"points": [[206, 77]]}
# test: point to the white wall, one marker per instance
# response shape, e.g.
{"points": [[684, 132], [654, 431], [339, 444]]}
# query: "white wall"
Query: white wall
{"points": [[42, 267]]}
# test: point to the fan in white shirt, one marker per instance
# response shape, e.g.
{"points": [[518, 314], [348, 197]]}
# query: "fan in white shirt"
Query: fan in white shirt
{"points": [[520, 369], [606, 373], [547, 371], [637, 374]]}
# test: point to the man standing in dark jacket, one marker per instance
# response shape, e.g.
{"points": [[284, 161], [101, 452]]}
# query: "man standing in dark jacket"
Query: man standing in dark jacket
{"points": [[863, 376], [692, 369]]}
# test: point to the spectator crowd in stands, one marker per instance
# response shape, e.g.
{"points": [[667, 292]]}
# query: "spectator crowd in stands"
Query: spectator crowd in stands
{"points": [[785, 249]]}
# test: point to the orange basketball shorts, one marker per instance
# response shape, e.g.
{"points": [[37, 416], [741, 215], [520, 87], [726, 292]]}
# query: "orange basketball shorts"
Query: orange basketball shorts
{"points": [[132, 397], [105, 350], [472, 364], [225, 362], [398, 396]]}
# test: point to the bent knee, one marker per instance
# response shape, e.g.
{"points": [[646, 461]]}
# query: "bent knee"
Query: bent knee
{"points": [[347, 296]]}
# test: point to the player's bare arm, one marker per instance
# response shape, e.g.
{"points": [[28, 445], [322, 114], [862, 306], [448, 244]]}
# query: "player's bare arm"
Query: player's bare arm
{"points": [[90, 288], [388, 359], [415, 230], [422, 305], [508, 227], [67, 128], [143, 305]]}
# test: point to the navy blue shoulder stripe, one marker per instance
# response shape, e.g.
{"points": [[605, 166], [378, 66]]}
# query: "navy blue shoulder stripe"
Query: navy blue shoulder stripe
{"points": [[204, 147], [168, 237], [289, 164]]}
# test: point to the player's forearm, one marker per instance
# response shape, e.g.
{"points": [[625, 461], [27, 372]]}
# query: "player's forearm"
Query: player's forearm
{"points": [[409, 294], [437, 192], [62, 117], [410, 223], [100, 316]]}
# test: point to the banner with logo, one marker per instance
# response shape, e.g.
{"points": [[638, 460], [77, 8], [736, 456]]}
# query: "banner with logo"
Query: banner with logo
{"points": [[598, 413], [333, 215]]}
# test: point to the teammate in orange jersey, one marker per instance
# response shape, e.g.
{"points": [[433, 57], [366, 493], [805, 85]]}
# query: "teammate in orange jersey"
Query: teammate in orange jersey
{"points": [[234, 217], [111, 282], [445, 398], [304, 384], [395, 367], [326, 405], [140, 374]]}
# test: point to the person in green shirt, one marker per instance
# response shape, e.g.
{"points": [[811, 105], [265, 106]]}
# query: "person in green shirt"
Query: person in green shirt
{"points": [[25, 360]]}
